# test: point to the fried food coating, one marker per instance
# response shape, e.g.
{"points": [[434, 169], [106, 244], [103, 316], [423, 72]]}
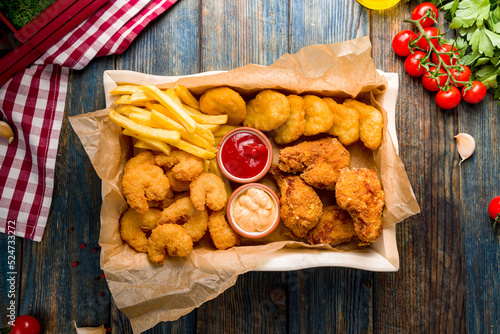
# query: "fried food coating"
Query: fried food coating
{"points": [[168, 237], [208, 189], [184, 166], [222, 101], [267, 111], [294, 125], [318, 116], [144, 182], [221, 232], [300, 206], [359, 192], [370, 123], [345, 122], [319, 161], [175, 184], [182, 212], [142, 157], [335, 227], [133, 226]]}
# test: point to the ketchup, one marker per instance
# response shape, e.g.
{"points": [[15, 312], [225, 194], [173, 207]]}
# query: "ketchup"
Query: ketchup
{"points": [[244, 155]]}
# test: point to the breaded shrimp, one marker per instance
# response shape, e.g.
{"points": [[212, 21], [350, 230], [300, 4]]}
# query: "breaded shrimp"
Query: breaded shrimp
{"points": [[221, 232], [144, 156], [208, 189], [370, 123], [133, 224], [345, 122], [267, 111], [142, 183], [175, 184], [318, 116], [319, 161], [172, 237], [335, 227], [184, 166], [294, 125], [182, 212], [222, 101]]}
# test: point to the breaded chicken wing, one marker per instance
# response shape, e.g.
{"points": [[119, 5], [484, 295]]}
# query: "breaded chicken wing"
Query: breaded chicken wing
{"points": [[335, 227], [359, 192], [319, 161], [300, 206]]}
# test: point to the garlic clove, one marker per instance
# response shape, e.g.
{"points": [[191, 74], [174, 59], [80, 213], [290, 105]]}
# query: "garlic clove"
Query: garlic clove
{"points": [[466, 145], [6, 131]]}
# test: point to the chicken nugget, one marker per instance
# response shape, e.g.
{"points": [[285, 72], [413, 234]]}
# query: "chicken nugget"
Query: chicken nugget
{"points": [[208, 189], [318, 116], [170, 237], [267, 111], [345, 122], [222, 101], [335, 227], [294, 125], [221, 232], [370, 123]]}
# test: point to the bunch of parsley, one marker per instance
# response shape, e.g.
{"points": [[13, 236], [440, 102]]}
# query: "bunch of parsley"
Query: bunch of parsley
{"points": [[477, 23]]}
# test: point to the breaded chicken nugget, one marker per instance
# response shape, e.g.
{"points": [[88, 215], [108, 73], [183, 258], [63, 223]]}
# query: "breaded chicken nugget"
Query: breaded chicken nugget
{"points": [[335, 227], [359, 192], [144, 156], [294, 125], [224, 100], [345, 122], [221, 232], [143, 183], [208, 189], [184, 166], [182, 212], [133, 224], [267, 111], [171, 237], [370, 123], [319, 117]]}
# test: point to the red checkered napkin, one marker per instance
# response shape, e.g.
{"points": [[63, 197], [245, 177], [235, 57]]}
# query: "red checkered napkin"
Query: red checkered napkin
{"points": [[33, 103]]}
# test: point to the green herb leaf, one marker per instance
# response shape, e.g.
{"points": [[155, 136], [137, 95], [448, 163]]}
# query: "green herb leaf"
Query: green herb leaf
{"points": [[470, 12]]}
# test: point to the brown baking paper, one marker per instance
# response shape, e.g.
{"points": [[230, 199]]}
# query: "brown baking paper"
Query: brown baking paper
{"points": [[149, 294]]}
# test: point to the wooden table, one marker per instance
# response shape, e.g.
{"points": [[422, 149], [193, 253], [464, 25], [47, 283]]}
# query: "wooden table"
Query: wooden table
{"points": [[450, 258]]}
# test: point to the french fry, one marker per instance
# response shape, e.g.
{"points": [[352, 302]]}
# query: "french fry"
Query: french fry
{"points": [[204, 133], [206, 119], [217, 141], [143, 119], [224, 129], [139, 96], [184, 118], [125, 99], [170, 92], [211, 127], [167, 136], [124, 89], [150, 105], [194, 150], [206, 164], [144, 146], [186, 97], [157, 144], [128, 109]]}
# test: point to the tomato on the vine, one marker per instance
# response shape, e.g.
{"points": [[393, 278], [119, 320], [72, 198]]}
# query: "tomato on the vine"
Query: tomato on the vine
{"points": [[431, 83], [421, 10], [448, 99], [476, 93], [494, 209], [412, 64], [431, 32], [400, 42], [444, 57], [462, 76], [25, 324]]}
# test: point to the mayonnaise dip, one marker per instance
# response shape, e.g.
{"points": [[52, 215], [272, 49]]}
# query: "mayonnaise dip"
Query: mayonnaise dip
{"points": [[254, 210]]}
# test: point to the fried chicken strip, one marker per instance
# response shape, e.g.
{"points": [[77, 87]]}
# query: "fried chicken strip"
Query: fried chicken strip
{"points": [[335, 227]]}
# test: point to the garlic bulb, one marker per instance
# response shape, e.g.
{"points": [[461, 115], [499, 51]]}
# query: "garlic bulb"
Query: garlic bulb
{"points": [[465, 145], [6, 131]]}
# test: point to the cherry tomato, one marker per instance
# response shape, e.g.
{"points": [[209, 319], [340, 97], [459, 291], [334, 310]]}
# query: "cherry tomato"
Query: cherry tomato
{"points": [[494, 209], [400, 42], [25, 324], [430, 31], [421, 10], [462, 76], [476, 94], [412, 64], [448, 99], [445, 58], [431, 83]]}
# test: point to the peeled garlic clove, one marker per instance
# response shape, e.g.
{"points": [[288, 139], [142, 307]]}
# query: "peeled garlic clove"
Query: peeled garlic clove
{"points": [[6, 131], [465, 145]]}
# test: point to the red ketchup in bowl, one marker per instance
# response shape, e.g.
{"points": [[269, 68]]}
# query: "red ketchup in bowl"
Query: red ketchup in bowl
{"points": [[244, 155]]}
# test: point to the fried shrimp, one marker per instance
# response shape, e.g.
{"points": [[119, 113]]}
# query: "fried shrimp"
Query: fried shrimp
{"points": [[182, 212], [267, 111], [171, 237], [224, 100], [335, 227], [184, 166], [177, 185], [345, 122], [142, 183], [144, 156], [318, 116], [133, 224], [319, 161], [208, 189], [221, 232], [294, 125], [370, 123]]}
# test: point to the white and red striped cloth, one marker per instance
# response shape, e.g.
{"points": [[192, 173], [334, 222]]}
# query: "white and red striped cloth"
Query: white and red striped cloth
{"points": [[33, 103]]}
